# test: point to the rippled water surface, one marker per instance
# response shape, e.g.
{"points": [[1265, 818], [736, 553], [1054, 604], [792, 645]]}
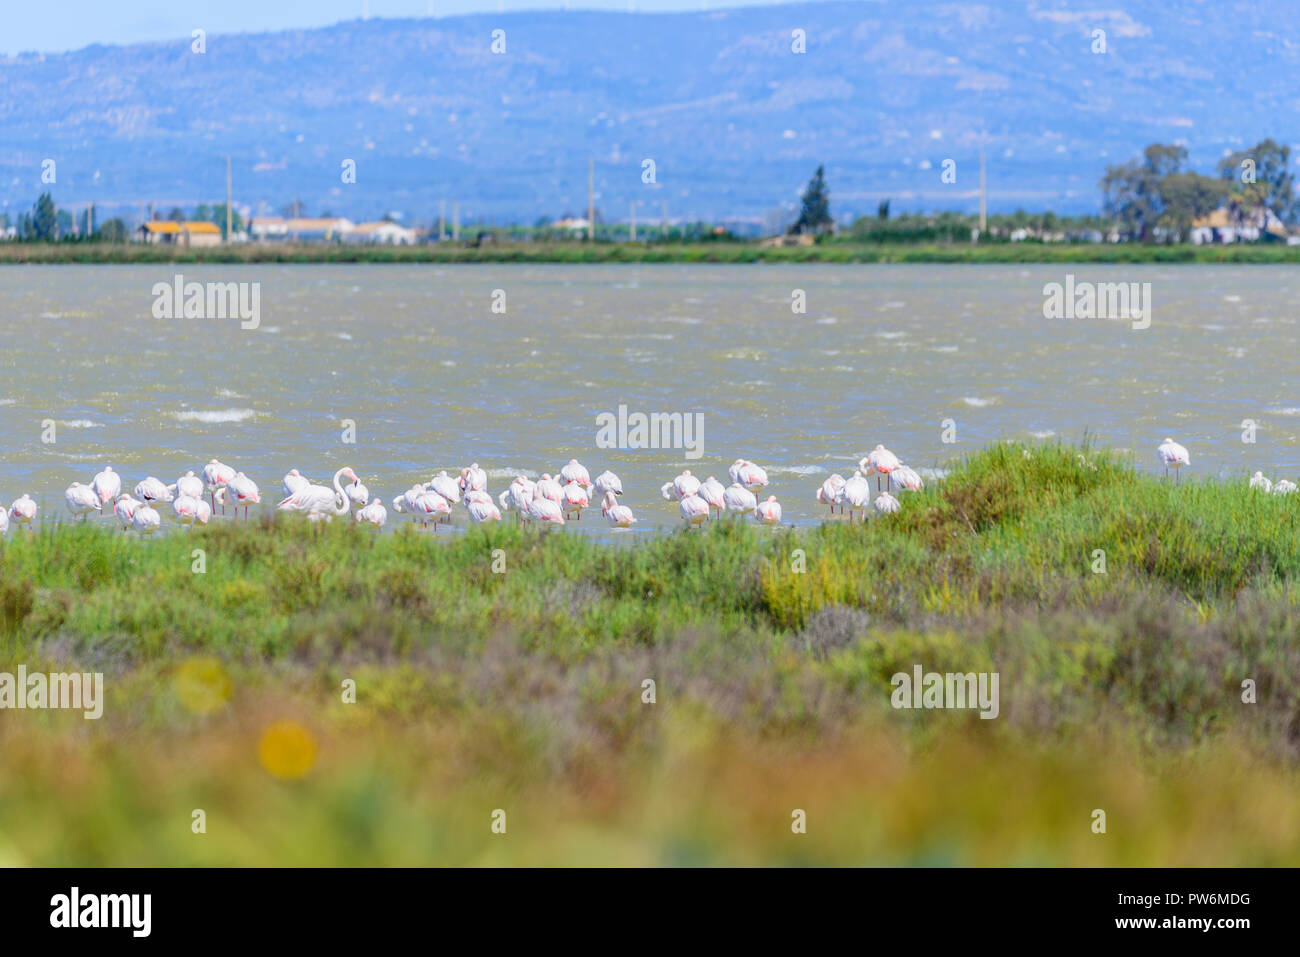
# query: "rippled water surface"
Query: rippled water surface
{"points": [[434, 379]]}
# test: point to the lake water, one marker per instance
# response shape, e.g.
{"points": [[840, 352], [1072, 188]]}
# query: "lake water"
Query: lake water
{"points": [[434, 379]]}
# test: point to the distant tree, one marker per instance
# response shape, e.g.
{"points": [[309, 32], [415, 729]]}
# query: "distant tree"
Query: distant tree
{"points": [[1187, 197], [882, 210], [203, 213], [1269, 181], [113, 231], [4, 221], [1133, 192], [219, 217], [542, 222], [815, 208], [177, 215], [293, 210], [67, 226], [44, 221]]}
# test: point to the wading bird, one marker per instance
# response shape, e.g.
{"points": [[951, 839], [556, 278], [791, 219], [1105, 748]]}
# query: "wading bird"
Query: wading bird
{"points": [[124, 509], [107, 485], [373, 513], [575, 472], [188, 484], [152, 490], [681, 487], [358, 494], [907, 479], [23, 510], [82, 500], [1172, 456], [446, 486], [1260, 482], [713, 492], [482, 511], [748, 474], [856, 494], [885, 504], [473, 478], [318, 502], [769, 512], [186, 509], [832, 491], [146, 520], [548, 488], [242, 490], [739, 499], [294, 481], [607, 482], [546, 511], [619, 516], [694, 510], [879, 461], [575, 500], [217, 475], [1284, 487]]}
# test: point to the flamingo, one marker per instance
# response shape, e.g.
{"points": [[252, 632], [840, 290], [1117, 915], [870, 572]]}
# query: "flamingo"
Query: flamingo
{"points": [[694, 509], [483, 511], [477, 495], [879, 461], [619, 516], [358, 494], [242, 490], [747, 474], [574, 472], [294, 481], [886, 503], [544, 510], [547, 487], [318, 502], [1284, 487], [188, 484], [684, 486], [82, 500], [146, 519], [373, 513], [203, 513], [107, 485], [607, 482], [575, 499], [152, 490], [518, 496], [769, 512], [406, 501], [738, 498], [473, 478], [856, 494], [446, 486], [23, 510], [1172, 456], [907, 479], [186, 509], [429, 504], [124, 509], [4, 520], [711, 491], [1260, 482], [216, 475], [832, 491]]}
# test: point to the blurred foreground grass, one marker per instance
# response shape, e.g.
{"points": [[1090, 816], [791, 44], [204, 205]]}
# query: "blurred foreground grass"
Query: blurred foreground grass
{"points": [[523, 691]]}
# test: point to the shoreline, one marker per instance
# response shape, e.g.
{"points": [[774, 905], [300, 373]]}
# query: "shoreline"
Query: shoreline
{"points": [[720, 253]]}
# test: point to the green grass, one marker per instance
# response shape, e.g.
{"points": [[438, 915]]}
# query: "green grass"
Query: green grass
{"points": [[771, 651], [831, 251]]}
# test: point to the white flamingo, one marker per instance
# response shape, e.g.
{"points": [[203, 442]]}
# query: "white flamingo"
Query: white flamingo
{"points": [[473, 478], [518, 496], [318, 502], [146, 519], [746, 473], [1172, 456], [769, 512], [856, 494], [4, 520], [203, 512], [907, 479], [885, 504], [694, 509], [124, 509], [294, 481], [575, 500], [373, 513], [430, 505], [545, 511], [107, 485], [405, 503], [358, 494], [575, 472], [607, 482], [481, 511], [713, 492], [217, 475], [619, 516], [1284, 487], [186, 509], [23, 510], [684, 486], [832, 491], [188, 484], [739, 499], [547, 487], [473, 495], [446, 486], [1260, 482], [152, 490], [82, 500], [879, 461], [242, 490]]}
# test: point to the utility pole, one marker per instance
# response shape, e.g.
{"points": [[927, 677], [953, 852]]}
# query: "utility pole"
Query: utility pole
{"points": [[442, 220], [983, 196], [632, 236], [663, 220], [455, 222], [229, 211], [591, 201]]}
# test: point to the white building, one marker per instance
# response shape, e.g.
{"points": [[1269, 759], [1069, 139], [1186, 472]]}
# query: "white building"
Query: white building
{"points": [[381, 233]]}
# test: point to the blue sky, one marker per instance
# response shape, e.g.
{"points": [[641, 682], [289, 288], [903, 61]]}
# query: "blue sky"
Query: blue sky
{"points": [[71, 24]]}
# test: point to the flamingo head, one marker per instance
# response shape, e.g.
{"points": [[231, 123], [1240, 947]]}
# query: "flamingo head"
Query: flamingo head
{"points": [[546, 477], [348, 473], [1168, 441], [686, 471]]}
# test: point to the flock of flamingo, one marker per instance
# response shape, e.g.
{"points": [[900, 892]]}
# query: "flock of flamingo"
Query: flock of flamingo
{"points": [[547, 501], [194, 498]]}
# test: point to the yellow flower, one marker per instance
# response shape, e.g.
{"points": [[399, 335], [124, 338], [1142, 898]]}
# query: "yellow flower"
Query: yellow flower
{"points": [[287, 749]]}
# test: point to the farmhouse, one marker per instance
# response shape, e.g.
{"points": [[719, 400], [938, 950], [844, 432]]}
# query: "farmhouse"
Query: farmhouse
{"points": [[179, 234], [1220, 227], [385, 233]]}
